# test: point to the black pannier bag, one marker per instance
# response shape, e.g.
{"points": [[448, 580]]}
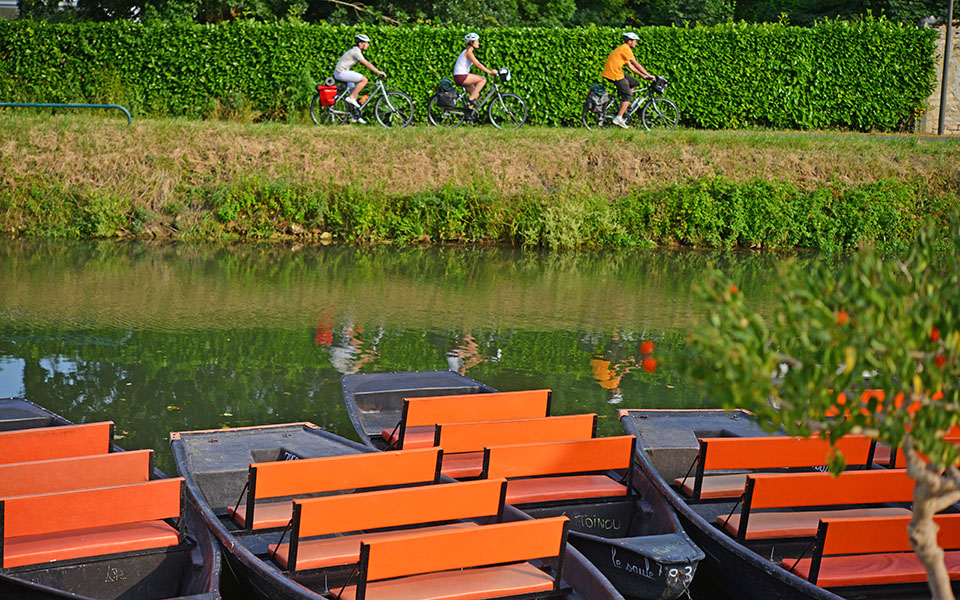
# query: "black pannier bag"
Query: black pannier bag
{"points": [[598, 98], [446, 93]]}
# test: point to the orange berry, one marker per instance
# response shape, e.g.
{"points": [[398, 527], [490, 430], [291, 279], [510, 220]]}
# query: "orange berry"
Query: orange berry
{"points": [[842, 317], [646, 347], [649, 364], [940, 360], [734, 289], [934, 334]]}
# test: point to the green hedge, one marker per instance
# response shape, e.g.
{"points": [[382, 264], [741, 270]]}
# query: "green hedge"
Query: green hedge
{"points": [[706, 213], [871, 75]]}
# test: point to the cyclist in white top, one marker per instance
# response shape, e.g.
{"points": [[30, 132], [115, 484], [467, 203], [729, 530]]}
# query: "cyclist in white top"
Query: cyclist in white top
{"points": [[461, 69], [355, 81]]}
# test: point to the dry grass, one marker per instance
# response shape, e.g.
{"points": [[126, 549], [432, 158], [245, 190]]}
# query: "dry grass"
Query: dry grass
{"points": [[150, 160]]}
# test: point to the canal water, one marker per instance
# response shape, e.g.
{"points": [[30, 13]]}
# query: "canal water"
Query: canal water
{"points": [[169, 337]]}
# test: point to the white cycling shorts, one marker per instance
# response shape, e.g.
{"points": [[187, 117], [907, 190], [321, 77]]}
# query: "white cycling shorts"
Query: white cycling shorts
{"points": [[348, 77]]}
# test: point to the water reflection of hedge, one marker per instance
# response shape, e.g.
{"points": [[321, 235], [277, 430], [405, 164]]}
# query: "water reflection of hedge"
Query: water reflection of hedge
{"points": [[180, 286]]}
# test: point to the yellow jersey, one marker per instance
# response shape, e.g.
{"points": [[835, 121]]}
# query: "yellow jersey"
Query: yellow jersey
{"points": [[613, 69]]}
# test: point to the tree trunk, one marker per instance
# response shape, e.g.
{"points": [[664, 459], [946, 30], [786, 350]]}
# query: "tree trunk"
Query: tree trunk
{"points": [[922, 529]]}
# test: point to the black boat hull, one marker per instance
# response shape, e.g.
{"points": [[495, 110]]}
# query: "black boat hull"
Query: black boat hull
{"points": [[737, 571], [264, 581], [652, 563]]}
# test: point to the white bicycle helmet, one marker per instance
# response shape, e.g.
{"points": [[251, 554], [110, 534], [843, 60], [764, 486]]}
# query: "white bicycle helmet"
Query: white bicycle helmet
{"points": [[361, 38], [470, 37], [631, 36]]}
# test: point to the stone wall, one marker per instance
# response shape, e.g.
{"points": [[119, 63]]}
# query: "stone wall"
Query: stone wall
{"points": [[930, 120]]}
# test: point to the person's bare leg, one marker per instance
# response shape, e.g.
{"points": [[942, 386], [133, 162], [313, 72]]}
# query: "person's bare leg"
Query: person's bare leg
{"points": [[355, 94]]}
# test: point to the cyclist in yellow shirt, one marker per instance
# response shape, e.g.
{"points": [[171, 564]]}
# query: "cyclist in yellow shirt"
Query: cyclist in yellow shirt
{"points": [[626, 84]]}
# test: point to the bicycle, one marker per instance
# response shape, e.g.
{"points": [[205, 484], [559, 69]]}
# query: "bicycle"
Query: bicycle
{"points": [[391, 107], [505, 110], [656, 112]]}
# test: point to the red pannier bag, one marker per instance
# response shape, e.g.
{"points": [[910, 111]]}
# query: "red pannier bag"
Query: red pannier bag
{"points": [[327, 94]]}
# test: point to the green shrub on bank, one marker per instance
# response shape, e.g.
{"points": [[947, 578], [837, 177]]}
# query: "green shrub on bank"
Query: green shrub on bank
{"points": [[704, 213], [870, 75]]}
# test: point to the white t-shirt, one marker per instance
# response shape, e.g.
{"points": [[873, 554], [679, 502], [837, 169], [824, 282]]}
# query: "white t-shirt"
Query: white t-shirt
{"points": [[349, 58], [462, 66]]}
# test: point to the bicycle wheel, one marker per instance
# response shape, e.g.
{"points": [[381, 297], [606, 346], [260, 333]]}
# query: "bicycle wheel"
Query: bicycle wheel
{"points": [[440, 116], [508, 111], [594, 119], [394, 109], [338, 113], [317, 111], [660, 114]]}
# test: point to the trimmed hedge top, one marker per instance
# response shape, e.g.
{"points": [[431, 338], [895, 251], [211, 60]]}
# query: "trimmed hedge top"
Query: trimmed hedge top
{"points": [[870, 75]]}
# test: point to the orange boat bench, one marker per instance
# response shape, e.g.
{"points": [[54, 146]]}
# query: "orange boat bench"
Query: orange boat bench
{"points": [[873, 551], [61, 441], [490, 561], [80, 472], [370, 515], [822, 491], [463, 443], [759, 453], [92, 522], [420, 415], [561, 471], [285, 479]]}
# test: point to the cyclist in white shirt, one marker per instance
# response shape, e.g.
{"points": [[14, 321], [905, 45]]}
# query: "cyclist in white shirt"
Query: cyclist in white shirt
{"points": [[355, 81], [461, 69]]}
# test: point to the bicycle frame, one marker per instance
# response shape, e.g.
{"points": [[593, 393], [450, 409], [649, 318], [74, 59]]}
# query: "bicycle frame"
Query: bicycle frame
{"points": [[380, 90]]}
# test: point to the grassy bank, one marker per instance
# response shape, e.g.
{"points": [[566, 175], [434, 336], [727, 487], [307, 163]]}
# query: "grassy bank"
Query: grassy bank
{"points": [[77, 176]]}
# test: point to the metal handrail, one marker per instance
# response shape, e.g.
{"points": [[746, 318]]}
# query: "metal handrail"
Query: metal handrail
{"points": [[55, 105]]}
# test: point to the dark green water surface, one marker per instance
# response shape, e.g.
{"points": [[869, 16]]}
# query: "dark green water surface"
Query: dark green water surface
{"points": [[161, 338]]}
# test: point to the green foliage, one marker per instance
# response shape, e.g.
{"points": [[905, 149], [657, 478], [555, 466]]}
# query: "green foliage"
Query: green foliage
{"points": [[871, 75], [702, 213], [875, 323]]}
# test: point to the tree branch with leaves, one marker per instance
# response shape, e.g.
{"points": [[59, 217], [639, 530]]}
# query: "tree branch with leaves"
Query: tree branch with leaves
{"points": [[863, 344]]}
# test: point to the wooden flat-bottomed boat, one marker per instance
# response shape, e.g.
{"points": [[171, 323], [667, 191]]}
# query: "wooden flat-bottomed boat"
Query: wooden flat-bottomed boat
{"points": [[85, 520], [771, 522], [303, 514], [554, 466]]}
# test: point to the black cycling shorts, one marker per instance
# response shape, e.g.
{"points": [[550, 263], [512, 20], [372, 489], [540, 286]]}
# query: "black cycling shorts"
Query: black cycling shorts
{"points": [[625, 87]]}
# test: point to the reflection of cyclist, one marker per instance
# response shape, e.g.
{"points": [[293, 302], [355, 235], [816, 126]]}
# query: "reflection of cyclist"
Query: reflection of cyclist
{"points": [[608, 368], [355, 81], [626, 84], [461, 69]]}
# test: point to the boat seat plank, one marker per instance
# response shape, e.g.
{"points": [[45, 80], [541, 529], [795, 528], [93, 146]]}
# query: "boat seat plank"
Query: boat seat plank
{"points": [[873, 551], [764, 453], [469, 584], [90, 522], [413, 437], [63, 474], [489, 561], [343, 550], [786, 524], [462, 465], [872, 569], [424, 413], [310, 476], [62, 441], [82, 543], [432, 505], [266, 515], [714, 486], [571, 487]]}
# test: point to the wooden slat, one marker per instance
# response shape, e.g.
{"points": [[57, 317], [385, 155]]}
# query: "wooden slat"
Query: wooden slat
{"points": [[406, 506], [557, 458], [461, 408], [475, 436], [45, 443], [61, 474], [459, 549], [369, 469]]}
